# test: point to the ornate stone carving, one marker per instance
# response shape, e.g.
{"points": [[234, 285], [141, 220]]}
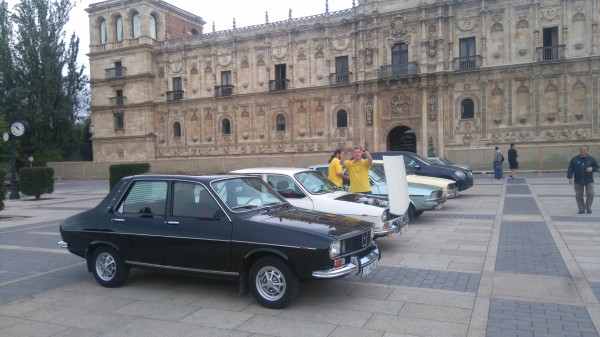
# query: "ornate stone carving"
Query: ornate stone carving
{"points": [[401, 105], [175, 67], [340, 43], [467, 24], [225, 60], [369, 115], [550, 13]]}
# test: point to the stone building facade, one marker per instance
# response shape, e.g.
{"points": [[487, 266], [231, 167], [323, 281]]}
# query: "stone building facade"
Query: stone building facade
{"points": [[460, 76]]}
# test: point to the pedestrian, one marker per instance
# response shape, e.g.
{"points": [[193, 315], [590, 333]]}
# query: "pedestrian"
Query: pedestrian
{"points": [[358, 170], [335, 172], [581, 176], [498, 159], [513, 164]]}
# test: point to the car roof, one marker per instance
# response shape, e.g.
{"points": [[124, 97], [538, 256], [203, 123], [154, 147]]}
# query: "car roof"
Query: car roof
{"points": [[199, 178], [281, 170]]}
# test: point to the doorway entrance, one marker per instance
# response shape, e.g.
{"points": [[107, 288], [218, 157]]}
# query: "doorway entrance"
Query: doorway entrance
{"points": [[402, 138]]}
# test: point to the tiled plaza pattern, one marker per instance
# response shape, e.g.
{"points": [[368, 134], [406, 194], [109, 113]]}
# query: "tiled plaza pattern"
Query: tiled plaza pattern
{"points": [[491, 263]]}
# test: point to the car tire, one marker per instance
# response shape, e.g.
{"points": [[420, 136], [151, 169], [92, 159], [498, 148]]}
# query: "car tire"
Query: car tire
{"points": [[411, 212], [418, 213], [108, 268], [273, 283]]}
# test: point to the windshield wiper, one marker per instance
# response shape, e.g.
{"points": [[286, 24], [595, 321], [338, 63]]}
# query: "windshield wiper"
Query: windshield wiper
{"points": [[245, 207]]}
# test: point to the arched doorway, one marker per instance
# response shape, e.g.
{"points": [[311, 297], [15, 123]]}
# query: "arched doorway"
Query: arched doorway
{"points": [[402, 138]]}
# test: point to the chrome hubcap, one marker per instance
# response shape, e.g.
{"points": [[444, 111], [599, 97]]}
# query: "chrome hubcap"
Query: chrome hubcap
{"points": [[106, 267], [270, 283]]}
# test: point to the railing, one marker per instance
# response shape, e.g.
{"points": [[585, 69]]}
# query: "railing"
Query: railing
{"points": [[223, 90], [175, 95], [115, 72], [467, 62], [340, 78], [278, 85], [551, 53], [397, 70], [117, 101]]}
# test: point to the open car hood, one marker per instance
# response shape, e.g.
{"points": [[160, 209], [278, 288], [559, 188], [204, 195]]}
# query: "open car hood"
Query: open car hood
{"points": [[395, 174]]}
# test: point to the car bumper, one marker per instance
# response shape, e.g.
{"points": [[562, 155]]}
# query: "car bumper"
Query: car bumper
{"points": [[452, 193], [398, 225], [464, 183], [354, 267], [432, 203]]}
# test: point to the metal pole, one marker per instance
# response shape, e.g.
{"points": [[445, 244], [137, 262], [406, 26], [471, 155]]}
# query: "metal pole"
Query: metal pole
{"points": [[14, 183]]}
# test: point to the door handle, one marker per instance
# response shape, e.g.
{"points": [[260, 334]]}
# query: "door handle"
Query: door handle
{"points": [[172, 222], [117, 220]]}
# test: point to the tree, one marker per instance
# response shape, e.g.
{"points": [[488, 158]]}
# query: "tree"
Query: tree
{"points": [[47, 77]]}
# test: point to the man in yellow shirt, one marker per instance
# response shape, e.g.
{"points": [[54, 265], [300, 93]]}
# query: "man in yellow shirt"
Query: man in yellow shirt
{"points": [[358, 170], [335, 173]]}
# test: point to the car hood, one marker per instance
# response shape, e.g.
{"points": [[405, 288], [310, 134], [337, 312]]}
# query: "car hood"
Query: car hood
{"points": [[422, 189], [312, 221], [441, 182]]}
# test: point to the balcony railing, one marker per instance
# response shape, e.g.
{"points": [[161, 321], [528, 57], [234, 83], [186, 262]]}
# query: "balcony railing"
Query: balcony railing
{"points": [[115, 72], [278, 85], [340, 78], [467, 62], [551, 53], [117, 101], [398, 70], [175, 95], [223, 90]]}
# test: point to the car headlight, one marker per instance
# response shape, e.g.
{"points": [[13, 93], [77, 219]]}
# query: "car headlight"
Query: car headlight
{"points": [[460, 174], [335, 249], [385, 215]]}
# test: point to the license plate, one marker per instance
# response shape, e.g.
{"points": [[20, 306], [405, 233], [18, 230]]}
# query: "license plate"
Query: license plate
{"points": [[439, 206], [369, 268]]}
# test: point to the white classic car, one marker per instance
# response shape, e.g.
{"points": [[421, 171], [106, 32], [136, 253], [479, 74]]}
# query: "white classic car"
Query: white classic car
{"points": [[309, 189]]}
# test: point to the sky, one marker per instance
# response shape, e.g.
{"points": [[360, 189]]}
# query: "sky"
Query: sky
{"points": [[245, 12]]}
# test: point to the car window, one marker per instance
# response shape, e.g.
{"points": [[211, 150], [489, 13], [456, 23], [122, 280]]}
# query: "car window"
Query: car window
{"points": [[147, 197], [286, 186], [246, 193], [314, 182], [193, 200], [376, 174], [324, 170]]}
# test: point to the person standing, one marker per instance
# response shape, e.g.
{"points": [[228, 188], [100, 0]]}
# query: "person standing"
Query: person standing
{"points": [[335, 173], [581, 176], [358, 170], [513, 164], [498, 159]]}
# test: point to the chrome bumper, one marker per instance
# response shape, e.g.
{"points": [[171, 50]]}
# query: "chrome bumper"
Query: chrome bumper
{"points": [[354, 267], [63, 244], [452, 193]]}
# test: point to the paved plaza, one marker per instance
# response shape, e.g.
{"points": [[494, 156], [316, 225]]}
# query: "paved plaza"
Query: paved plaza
{"points": [[504, 259]]}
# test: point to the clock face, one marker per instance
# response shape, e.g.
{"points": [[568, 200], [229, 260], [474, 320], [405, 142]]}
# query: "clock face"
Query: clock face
{"points": [[17, 129], [5, 136]]}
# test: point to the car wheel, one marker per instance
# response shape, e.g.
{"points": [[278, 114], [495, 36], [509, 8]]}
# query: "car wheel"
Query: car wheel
{"points": [[108, 268], [411, 212], [418, 213], [273, 283]]}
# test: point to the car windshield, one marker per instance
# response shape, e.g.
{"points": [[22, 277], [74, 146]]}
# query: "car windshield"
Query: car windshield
{"points": [[377, 173], [242, 194], [314, 182], [422, 159], [446, 161]]}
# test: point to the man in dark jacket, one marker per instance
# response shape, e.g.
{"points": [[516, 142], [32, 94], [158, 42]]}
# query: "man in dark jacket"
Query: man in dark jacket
{"points": [[581, 174]]}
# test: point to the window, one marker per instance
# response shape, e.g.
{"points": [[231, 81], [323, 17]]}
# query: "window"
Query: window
{"points": [[118, 69], [103, 36], [226, 78], [226, 88], [152, 27], [280, 122], [467, 53], [119, 120], [342, 70], [136, 25], [146, 197], [399, 59], [467, 109], [280, 83], [119, 28], [226, 127], [177, 130], [342, 119], [193, 200], [177, 93], [550, 37], [177, 84]]}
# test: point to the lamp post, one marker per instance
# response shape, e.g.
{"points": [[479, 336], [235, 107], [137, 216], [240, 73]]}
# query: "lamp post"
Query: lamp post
{"points": [[14, 183]]}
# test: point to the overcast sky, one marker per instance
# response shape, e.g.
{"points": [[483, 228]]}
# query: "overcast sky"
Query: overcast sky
{"points": [[245, 12]]}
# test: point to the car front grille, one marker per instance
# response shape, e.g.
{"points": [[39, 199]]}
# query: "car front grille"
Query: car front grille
{"points": [[451, 186], [356, 243], [436, 194]]}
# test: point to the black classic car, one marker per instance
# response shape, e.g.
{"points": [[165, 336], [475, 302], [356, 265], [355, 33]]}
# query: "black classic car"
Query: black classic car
{"points": [[230, 227], [419, 165]]}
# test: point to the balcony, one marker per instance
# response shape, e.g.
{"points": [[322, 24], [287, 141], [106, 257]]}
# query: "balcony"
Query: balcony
{"points": [[550, 53], [175, 95], [279, 85], [115, 73], [398, 70], [340, 78], [467, 62], [223, 90], [117, 101]]}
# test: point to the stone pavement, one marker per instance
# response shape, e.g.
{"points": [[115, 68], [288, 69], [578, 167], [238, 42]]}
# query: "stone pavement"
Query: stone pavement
{"points": [[504, 259]]}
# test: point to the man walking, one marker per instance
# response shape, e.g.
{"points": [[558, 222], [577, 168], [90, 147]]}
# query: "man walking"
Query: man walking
{"points": [[513, 164], [581, 174], [498, 159]]}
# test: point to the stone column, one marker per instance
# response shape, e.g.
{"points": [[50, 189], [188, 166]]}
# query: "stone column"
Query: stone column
{"points": [[424, 117]]}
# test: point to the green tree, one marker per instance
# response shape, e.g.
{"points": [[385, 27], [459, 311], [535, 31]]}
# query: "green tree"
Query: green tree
{"points": [[47, 77]]}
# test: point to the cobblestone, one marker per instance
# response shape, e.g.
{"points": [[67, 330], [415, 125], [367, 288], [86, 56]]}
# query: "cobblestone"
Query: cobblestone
{"points": [[520, 205]]}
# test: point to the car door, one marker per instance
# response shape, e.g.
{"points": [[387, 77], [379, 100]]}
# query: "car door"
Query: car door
{"points": [[197, 233], [137, 221], [290, 190]]}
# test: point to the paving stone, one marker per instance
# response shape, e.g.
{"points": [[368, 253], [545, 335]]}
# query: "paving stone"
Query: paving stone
{"points": [[517, 189], [520, 205], [596, 288]]}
